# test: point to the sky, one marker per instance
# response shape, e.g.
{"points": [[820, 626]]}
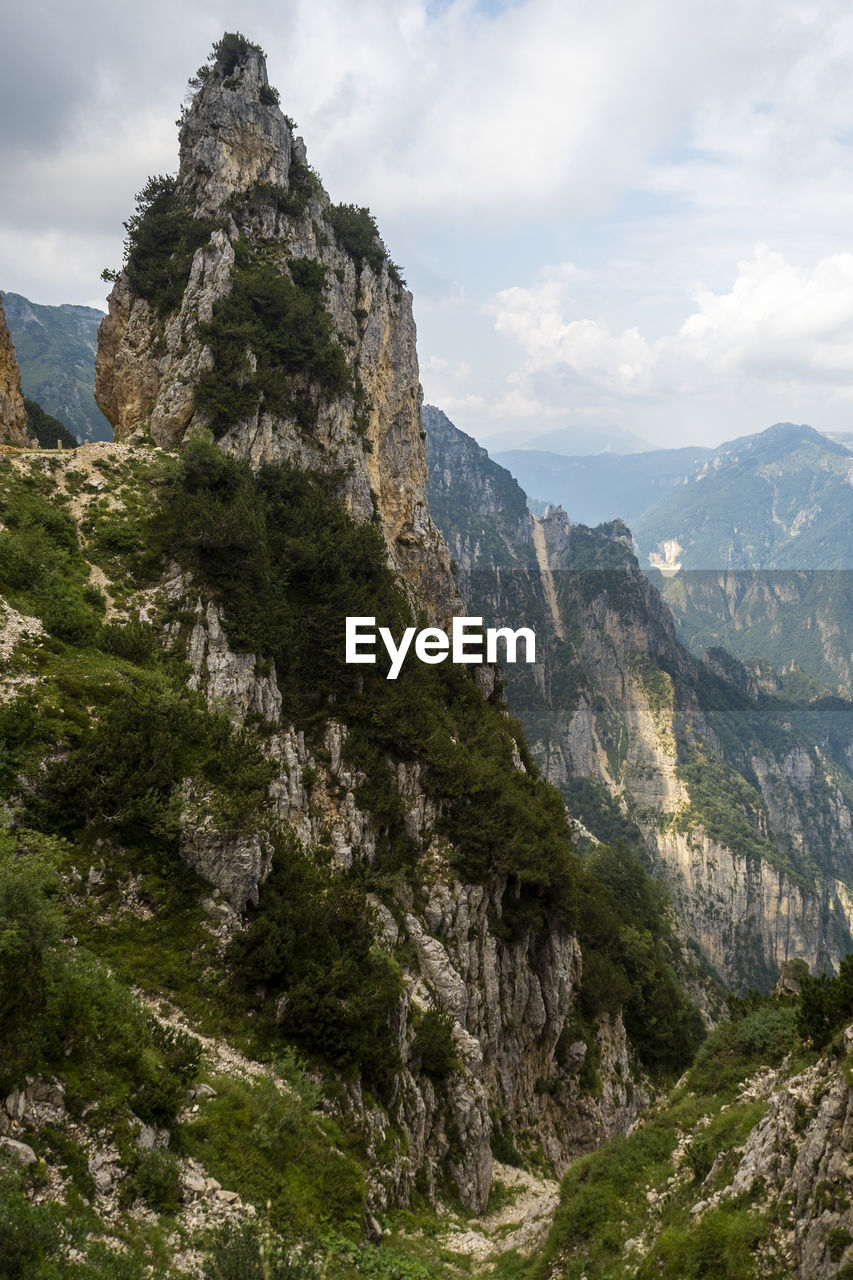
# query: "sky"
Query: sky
{"points": [[627, 213]]}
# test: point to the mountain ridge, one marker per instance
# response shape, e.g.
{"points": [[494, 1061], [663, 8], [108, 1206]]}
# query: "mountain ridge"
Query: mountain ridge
{"points": [[56, 352]]}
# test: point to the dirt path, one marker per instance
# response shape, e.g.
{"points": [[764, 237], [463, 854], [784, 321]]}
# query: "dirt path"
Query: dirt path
{"points": [[521, 1223], [547, 576]]}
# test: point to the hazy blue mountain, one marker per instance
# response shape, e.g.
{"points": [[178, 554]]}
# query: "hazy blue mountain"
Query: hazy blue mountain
{"points": [[782, 499], [758, 552], [602, 487], [570, 440], [56, 352]]}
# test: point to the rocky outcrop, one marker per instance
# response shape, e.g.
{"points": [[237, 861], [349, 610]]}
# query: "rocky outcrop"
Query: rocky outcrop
{"points": [[246, 176], [797, 1160], [13, 415]]}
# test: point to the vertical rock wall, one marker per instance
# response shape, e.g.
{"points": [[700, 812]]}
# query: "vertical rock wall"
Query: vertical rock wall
{"points": [[13, 415]]}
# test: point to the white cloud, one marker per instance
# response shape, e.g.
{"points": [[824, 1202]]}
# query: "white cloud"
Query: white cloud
{"points": [[457, 109], [779, 326], [650, 144]]}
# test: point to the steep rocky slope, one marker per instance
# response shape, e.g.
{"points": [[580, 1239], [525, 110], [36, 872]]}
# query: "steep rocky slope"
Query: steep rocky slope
{"points": [[743, 804], [13, 415], [743, 1172]]}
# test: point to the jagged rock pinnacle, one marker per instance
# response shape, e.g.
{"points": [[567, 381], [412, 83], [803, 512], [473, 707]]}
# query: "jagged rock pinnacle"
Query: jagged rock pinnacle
{"points": [[234, 134], [315, 364]]}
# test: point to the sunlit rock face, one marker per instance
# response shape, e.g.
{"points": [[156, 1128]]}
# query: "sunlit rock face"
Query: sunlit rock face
{"points": [[13, 415]]}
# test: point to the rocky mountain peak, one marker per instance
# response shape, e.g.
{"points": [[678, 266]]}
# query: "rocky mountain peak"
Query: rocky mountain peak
{"points": [[234, 134], [249, 306], [13, 415]]}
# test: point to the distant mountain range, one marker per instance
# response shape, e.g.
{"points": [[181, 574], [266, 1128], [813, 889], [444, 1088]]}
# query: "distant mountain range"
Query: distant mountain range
{"points": [[751, 544], [570, 440], [782, 499], [756, 550], [605, 486], [56, 353]]}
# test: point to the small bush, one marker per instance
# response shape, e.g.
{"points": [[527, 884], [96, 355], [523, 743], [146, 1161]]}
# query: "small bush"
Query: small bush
{"points": [[720, 1245], [134, 641], [228, 52], [357, 232], [768, 1033], [30, 1235], [434, 1046], [155, 1178], [71, 619], [837, 1241], [826, 1004]]}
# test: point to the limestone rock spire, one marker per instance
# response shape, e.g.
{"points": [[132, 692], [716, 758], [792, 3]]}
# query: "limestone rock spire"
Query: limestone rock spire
{"points": [[252, 306], [234, 134]]}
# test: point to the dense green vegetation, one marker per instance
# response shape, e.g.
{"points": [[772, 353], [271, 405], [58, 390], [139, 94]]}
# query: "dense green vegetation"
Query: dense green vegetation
{"points": [[827, 1004], [358, 233], [313, 943], [593, 804], [59, 1009], [628, 960], [275, 310], [729, 807], [162, 237], [41, 564]]}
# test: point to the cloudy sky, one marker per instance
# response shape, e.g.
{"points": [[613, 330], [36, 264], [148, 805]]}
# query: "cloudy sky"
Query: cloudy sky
{"points": [[633, 213]]}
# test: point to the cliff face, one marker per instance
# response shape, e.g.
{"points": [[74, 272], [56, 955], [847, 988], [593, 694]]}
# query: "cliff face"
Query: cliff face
{"points": [[647, 743], [512, 1003], [13, 415], [244, 179]]}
